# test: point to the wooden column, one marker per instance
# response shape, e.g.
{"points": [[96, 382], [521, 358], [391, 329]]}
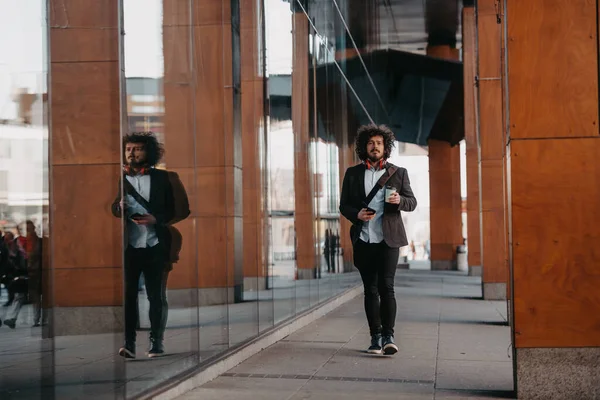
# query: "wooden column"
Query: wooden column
{"points": [[471, 140], [444, 184], [347, 154], [491, 140], [86, 240], [554, 170], [303, 182], [199, 98], [253, 154], [179, 140]]}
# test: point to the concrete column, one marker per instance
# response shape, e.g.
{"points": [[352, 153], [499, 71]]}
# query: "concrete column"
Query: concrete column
{"points": [[86, 245], [303, 179], [469, 56], [554, 143], [494, 253]]}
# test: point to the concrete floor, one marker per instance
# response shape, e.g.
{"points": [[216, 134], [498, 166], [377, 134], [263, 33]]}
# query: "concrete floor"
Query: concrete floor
{"points": [[453, 345]]}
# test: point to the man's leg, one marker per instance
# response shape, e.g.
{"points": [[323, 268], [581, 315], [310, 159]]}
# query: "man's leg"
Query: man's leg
{"points": [[132, 276], [388, 263], [155, 277], [363, 260], [13, 311]]}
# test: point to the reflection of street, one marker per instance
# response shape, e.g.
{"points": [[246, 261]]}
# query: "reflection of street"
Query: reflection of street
{"points": [[287, 269]]}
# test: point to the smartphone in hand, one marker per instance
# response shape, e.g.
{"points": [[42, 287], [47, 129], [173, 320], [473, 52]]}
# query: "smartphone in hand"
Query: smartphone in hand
{"points": [[370, 210]]}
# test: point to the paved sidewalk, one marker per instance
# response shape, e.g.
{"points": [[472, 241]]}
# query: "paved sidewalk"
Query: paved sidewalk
{"points": [[453, 345]]}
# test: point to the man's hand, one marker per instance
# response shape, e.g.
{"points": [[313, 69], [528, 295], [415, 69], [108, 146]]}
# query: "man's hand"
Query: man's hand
{"points": [[365, 215], [394, 198], [146, 219]]}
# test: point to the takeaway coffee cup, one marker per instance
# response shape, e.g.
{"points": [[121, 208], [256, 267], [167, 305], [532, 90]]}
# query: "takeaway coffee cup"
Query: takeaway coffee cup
{"points": [[389, 190]]}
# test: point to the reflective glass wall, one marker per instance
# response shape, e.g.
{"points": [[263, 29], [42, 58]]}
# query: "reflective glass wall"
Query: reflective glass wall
{"points": [[233, 229]]}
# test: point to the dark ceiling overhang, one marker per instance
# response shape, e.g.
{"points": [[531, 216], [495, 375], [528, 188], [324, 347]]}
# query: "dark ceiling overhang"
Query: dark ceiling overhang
{"points": [[418, 97]]}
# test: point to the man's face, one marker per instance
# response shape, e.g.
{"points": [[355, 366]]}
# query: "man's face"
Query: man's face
{"points": [[135, 154], [375, 148]]}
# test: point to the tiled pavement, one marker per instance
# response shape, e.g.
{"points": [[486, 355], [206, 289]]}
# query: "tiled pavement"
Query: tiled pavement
{"points": [[453, 345]]}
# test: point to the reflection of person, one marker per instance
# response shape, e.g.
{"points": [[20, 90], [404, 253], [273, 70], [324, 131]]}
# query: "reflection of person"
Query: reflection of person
{"points": [[327, 249], [14, 276], [377, 232], [413, 250], [33, 251], [148, 206]]}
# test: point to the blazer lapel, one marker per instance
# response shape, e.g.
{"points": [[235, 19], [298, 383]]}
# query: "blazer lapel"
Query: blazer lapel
{"points": [[361, 183], [153, 186]]}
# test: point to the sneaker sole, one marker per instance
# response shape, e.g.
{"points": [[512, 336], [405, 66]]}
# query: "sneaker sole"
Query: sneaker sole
{"points": [[374, 351], [123, 352], [390, 349], [154, 355]]}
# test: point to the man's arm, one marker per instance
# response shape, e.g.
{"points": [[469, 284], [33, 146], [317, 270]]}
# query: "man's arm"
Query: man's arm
{"points": [[116, 205], [348, 210], [164, 216], [181, 204], [408, 202]]}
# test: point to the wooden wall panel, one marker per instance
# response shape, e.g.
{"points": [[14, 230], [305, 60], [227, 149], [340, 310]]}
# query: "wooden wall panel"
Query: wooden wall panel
{"points": [[215, 251], [492, 145], [85, 233], [251, 123], [553, 68], [199, 110], [79, 45], [303, 189], [86, 240], [88, 287], [490, 119], [488, 44], [556, 231], [473, 211], [444, 186], [492, 185], [472, 144], [493, 243], [85, 113], [97, 14]]}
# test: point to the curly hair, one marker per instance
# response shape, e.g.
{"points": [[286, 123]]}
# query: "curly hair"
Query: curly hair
{"points": [[366, 132], [154, 150]]}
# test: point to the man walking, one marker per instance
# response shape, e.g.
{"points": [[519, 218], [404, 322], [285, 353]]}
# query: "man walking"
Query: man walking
{"points": [[373, 194], [149, 207]]}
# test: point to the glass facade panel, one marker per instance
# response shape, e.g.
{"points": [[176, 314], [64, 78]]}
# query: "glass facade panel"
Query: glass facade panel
{"points": [[233, 230], [26, 352]]}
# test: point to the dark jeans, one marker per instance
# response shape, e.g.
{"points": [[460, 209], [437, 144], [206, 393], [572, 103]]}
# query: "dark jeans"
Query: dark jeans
{"points": [[149, 261], [377, 264]]}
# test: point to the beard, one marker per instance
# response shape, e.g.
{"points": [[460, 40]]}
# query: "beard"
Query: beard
{"points": [[375, 157], [133, 163]]}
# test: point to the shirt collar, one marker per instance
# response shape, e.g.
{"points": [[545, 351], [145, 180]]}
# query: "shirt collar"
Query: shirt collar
{"points": [[377, 166], [131, 172]]}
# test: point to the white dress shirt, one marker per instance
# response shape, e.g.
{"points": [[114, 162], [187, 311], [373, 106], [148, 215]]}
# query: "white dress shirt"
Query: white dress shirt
{"points": [[372, 231], [140, 236]]}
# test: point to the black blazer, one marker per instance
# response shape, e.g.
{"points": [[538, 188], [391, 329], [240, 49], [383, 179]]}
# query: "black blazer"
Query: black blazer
{"points": [[353, 195], [162, 203]]}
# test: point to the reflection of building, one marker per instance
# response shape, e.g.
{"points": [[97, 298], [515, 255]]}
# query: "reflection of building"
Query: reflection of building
{"points": [[145, 104], [23, 173], [242, 134]]}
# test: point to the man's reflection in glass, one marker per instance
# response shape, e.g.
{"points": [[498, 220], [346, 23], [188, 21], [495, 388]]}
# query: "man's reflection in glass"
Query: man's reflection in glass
{"points": [[148, 206]]}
